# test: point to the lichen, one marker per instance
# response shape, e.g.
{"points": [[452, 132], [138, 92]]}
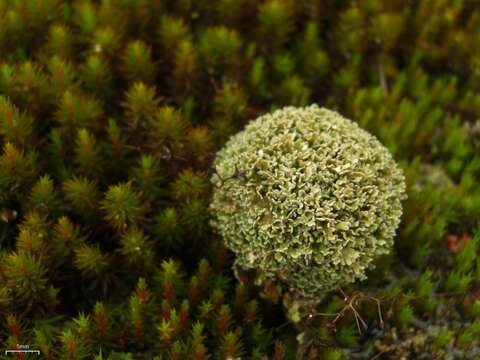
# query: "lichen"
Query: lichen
{"points": [[307, 198]]}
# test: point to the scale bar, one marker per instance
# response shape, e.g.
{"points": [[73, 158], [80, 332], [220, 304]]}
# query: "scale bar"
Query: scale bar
{"points": [[22, 351]]}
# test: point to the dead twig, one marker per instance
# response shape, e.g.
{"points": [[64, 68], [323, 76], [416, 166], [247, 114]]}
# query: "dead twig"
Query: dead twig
{"points": [[351, 301]]}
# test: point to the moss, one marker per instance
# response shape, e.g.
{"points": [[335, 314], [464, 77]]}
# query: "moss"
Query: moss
{"points": [[111, 114]]}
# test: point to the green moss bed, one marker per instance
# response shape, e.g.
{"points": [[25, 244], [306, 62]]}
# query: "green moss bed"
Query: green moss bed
{"points": [[111, 113]]}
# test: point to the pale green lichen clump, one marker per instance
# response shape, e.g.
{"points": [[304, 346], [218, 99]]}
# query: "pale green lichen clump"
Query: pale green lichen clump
{"points": [[307, 198]]}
